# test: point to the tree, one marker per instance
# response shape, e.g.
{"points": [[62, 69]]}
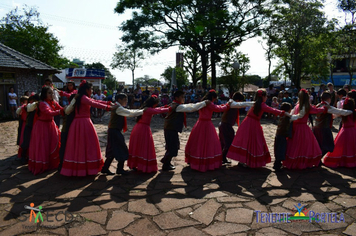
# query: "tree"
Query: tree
{"points": [[148, 81], [181, 76], [128, 57], [192, 64], [206, 26], [26, 33], [296, 25], [110, 80]]}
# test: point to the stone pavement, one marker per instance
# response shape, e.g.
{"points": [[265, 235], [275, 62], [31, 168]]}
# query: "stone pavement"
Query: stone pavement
{"points": [[183, 202]]}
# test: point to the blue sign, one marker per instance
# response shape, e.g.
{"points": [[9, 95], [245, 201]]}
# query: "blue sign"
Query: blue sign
{"points": [[339, 80], [85, 73]]}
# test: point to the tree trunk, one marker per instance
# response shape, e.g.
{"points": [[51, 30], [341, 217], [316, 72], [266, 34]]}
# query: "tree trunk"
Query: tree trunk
{"points": [[213, 70], [133, 79], [204, 68]]}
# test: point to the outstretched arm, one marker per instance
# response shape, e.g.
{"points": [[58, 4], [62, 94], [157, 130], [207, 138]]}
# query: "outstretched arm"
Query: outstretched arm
{"points": [[121, 111], [241, 104], [191, 107], [337, 111]]}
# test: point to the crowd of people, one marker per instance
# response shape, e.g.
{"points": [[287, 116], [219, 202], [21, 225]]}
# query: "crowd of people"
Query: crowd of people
{"points": [[75, 150]]}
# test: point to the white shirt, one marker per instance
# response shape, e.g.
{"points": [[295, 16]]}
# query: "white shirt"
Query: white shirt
{"points": [[122, 111], [12, 99], [99, 97], [241, 104], [191, 107]]}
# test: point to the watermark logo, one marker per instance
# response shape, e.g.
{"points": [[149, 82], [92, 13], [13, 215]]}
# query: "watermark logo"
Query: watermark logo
{"points": [[39, 214], [300, 213]]}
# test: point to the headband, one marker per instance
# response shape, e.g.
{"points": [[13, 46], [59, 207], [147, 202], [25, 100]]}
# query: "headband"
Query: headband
{"points": [[212, 91], [304, 91], [259, 93], [153, 96], [82, 83]]}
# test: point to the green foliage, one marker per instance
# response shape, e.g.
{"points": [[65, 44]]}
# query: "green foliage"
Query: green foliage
{"points": [[181, 76], [148, 81], [26, 33], [110, 80]]}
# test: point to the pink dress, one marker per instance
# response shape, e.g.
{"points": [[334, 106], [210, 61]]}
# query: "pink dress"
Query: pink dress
{"points": [[45, 141], [203, 149], [83, 154], [249, 145], [303, 150], [142, 154], [23, 118], [66, 94], [344, 154]]}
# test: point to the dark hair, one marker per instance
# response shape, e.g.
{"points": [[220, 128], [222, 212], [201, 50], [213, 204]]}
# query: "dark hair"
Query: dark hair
{"points": [[238, 96], [286, 106], [71, 97], [341, 92], [11, 88], [34, 98], [120, 96], [48, 80], [82, 91], [23, 99], [325, 95], [258, 101], [352, 94], [148, 103], [44, 91], [178, 93], [304, 101], [71, 83], [210, 96], [26, 92], [347, 86], [349, 105], [330, 84]]}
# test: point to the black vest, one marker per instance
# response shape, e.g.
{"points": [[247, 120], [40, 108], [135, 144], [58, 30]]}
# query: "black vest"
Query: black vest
{"points": [[116, 121], [230, 116], [174, 120], [323, 120], [30, 118]]}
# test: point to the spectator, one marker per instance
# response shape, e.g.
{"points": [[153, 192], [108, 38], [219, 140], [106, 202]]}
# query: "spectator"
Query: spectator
{"points": [[333, 94], [13, 102], [287, 98], [347, 88], [100, 97]]}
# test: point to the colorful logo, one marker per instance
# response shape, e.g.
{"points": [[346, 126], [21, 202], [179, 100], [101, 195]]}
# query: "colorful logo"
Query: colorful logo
{"points": [[37, 214], [300, 213], [32, 212]]}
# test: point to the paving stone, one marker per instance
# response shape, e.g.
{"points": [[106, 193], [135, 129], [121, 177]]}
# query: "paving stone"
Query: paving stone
{"points": [[120, 219], [205, 214], [346, 202], [20, 228], [239, 215], [143, 227], [233, 205], [220, 216], [232, 199], [270, 200], [222, 228], [278, 192], [168, 204], [115, 233], [270, 231], [298, 227], [305, 197], [185, 211], [170, 220], [88, 228], [191, 231], [351, 229], [98, 217], [58, 231], [255, 205], [351, 212], [73, 194], [142, 206]]}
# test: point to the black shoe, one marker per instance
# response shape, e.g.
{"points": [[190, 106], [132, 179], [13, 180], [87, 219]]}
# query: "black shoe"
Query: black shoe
{"points": [[167, 167], [107, 172], [122, 172], [243, 165]]}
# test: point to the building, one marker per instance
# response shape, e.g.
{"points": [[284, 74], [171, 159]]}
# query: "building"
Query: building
{"points": [[22, 72], [94, 76]]}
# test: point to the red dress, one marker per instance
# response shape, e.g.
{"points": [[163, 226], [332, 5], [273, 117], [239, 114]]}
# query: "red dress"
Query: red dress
{"points": [[249, 145], [66, 94], [344, 154], [142, 154], [203, 149], [45, 140], [303, 150], [83, 154], [23, 117]]}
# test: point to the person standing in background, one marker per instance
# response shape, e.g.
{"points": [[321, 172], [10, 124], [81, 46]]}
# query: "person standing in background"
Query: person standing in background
{"points": [[13, 102]]}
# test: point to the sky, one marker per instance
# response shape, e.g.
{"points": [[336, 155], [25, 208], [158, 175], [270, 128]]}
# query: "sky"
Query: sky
{"points": [[88, 30]]}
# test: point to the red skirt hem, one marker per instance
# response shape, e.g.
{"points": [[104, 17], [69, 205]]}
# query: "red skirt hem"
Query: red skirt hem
{"points": [[253, 161], [72, 168], [343, 161], [204, 164], [142, 164], [301, 162]]}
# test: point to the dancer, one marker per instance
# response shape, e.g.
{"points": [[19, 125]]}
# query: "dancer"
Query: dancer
{"points": [[142, 155], [173, 124], [83, 155], [303, 150], [67, 121], [249, 145], [22, 113], [71, 89], [31, 118], [324, 122], [203, 149], [45, 136], [344, 154], [49, 82], [116, 146], [228, 120]]}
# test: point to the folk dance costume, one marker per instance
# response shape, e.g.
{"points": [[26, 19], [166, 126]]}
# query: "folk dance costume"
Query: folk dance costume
{"points": [[142, 155], [32, 114], [173, 125], [249, 145], [322, 128], [66, 94], [45, 139], [303, 150], [116, 146], [344, 154], [83, 155], [203, 149], [226, 130], [22, 113]]}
